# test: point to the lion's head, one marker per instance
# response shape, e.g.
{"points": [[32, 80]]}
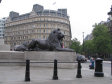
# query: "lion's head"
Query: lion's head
{"points": [[55, 38]]}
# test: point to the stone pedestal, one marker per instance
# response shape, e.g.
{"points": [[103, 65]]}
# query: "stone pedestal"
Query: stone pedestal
{"points": [[39, 56], [12, 56], [49, 56]]}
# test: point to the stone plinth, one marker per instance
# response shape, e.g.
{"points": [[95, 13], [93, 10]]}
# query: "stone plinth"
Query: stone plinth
{"points": [[48, 56], [11, 56], [39, 56]]}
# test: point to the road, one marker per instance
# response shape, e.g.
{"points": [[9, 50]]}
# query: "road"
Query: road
{"points": [[107, 64], [107, 67]]}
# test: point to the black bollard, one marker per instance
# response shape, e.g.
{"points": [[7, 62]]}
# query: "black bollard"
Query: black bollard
{"points": [[55, 75], [27, 73], [79, 70], [111, 67], [99, 68]]}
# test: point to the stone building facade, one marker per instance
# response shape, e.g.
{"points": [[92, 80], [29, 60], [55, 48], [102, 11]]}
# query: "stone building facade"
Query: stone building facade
{"points": [[36, 25], [2, 25]]}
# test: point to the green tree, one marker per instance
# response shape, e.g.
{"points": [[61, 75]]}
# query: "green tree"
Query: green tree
{"points": [[101, 40], [75, 44], [89, 48]]}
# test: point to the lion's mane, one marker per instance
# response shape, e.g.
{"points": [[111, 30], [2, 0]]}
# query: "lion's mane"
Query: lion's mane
{"points": [[54, 40]]}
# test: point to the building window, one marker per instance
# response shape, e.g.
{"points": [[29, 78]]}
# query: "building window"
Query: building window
{"points": [[43, 37], [40, 25], [39, 30], [44, 30], [44, 25]]}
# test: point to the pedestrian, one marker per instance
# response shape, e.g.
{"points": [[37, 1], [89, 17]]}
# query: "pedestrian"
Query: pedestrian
{"points": [[91, 66]]}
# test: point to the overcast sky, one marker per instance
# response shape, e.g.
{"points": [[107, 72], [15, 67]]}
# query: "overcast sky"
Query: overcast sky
{"points": [[83, 13]]}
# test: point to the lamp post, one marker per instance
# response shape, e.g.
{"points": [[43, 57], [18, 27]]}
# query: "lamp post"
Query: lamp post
{"points": [[83, 42]]}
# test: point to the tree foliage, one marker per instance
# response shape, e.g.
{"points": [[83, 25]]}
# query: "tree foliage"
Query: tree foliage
{"points": [[75, 44], [101, 39], [99, 46], [89, 48]]}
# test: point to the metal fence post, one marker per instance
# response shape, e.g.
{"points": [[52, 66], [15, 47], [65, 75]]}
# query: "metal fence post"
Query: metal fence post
{"points": [[27, 73], [79, 70], [55, 75]]}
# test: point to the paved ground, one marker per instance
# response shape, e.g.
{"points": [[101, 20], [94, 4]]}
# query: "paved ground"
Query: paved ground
{"points": [[16, 75]]}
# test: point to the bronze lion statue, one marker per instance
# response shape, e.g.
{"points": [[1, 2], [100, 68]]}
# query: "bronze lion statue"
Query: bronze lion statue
{"points": [[52, 43]]}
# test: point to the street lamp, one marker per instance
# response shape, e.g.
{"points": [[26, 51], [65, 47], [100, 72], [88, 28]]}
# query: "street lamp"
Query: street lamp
{"points": [[83, 42], [110, 20]]}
